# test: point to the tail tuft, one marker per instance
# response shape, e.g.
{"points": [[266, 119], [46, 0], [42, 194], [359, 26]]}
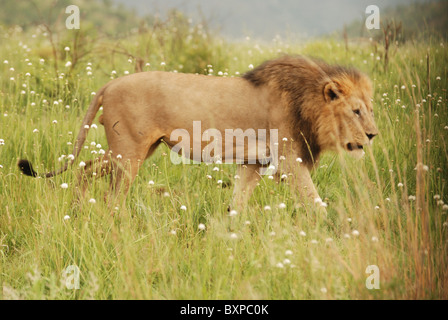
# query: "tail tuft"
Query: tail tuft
{"points": [[26, 167]]}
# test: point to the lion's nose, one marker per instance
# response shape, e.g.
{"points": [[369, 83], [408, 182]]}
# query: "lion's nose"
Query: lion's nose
{"points": [[371, 135]]}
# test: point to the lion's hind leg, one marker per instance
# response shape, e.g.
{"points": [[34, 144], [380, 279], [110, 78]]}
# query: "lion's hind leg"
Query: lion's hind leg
{"points": [[93, 168], [123, 174], [247, 178], [126, 161]]}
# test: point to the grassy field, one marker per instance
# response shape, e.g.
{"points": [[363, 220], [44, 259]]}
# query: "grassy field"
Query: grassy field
{"points": [[385, 210]]}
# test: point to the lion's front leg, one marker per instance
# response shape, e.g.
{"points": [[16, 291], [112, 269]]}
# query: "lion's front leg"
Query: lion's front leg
{"points": [[299, 179], [304, 184], [246, 179]]}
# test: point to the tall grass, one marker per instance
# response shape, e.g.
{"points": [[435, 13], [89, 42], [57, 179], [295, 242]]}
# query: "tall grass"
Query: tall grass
{"points": [[385, 210]]}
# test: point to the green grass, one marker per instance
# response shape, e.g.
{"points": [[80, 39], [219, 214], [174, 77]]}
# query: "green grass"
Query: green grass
{"points": [[152, 249]]}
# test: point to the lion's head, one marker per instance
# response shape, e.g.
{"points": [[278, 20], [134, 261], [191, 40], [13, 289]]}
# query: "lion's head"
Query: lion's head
{"points": [[330, 106], [346, 119]]}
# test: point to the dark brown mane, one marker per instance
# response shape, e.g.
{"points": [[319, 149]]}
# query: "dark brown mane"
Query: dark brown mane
{"points": [[303, 79]]}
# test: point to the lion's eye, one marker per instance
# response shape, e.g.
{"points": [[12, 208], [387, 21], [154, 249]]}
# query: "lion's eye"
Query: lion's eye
{"points": [[357, 112]]}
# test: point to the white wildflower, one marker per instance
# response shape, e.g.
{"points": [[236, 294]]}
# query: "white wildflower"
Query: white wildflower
{"points": [[233, 213]]}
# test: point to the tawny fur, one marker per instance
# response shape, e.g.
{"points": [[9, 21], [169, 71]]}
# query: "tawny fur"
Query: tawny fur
{"points": [[316, 106]]}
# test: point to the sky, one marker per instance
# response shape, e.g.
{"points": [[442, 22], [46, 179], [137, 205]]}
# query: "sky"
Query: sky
{"points": [[265, 19]]}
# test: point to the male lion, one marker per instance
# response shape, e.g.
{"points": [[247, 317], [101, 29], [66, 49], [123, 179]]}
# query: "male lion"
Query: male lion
{"points": [[313, 105]]}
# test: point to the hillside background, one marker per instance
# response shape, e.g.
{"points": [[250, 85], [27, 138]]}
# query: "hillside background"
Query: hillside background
{"points": [[235, 19], [298, 18]]}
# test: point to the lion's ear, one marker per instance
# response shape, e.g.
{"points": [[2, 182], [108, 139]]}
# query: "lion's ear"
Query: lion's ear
{"points": [[331, 92]]}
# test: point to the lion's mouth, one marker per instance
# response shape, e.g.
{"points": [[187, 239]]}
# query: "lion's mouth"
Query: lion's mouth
{"points": [[354, 146]]}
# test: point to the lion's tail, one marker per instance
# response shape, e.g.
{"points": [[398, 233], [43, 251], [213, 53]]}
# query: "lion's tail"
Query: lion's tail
{"points": [[26, 167]]}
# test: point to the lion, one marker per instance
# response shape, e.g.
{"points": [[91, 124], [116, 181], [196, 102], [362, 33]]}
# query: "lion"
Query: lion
{"points": [[314, 107]]}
